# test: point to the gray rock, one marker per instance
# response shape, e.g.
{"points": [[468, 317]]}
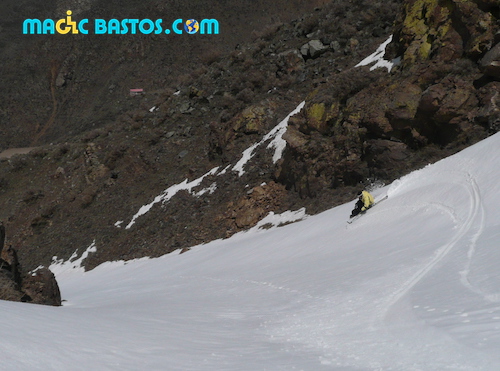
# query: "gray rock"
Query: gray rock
{"points": [[316, 48], [60, 80], [185, 108], [313, 49], [490, 64], [304, 50]]}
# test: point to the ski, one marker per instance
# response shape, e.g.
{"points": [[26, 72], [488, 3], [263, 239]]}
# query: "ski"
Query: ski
{"points": [[360, 214]]}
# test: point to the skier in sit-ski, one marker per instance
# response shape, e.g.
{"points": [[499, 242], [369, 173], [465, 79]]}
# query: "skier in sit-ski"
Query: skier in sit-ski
{"points": [[364, 202]]}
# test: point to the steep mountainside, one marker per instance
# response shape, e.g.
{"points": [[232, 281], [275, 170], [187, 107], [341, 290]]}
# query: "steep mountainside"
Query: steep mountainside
{"points": [[57, 86], [157, 172]]}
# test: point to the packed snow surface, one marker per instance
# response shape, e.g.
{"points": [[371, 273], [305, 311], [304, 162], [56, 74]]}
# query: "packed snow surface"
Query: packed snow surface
{"points": [[414, 284]]}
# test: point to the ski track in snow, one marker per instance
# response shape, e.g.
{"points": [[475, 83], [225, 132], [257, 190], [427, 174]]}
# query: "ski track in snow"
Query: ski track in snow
{"points": [[476, 211], [464, 275], [379, 326]]}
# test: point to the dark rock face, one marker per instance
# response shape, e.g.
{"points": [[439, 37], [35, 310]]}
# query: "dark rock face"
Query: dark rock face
{"points": [[444, 30], [439, 98], [39, 287], [9, 290], [255, 205]]}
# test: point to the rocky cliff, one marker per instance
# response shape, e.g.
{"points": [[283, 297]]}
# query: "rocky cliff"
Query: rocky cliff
{"points": [[37, 287], [441, 97]]}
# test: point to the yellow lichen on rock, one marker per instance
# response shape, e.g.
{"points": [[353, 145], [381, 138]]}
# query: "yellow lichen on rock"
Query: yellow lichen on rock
{"points": [[251, 119], [426, 24], [319, 116], [316, 112]]}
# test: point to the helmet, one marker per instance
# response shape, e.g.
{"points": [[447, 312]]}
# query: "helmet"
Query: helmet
{"points": [[360, 193]]}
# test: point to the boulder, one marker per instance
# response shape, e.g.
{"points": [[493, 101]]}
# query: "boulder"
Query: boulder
{"points": [[295, 139], [42, 288], [431, 99], [39, 287], [404, 103], [490, 64], [316, 48], [313, 49], [318, 116], [60, 80], [248, 217], [460, 99]]}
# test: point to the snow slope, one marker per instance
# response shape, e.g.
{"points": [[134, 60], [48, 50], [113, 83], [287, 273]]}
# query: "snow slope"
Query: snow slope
{"points": [[412, 285]]}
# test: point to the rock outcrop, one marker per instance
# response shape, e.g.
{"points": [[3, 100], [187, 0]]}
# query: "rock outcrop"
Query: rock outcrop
{"points": [[39, 287], [442, 97], [255, 205]]}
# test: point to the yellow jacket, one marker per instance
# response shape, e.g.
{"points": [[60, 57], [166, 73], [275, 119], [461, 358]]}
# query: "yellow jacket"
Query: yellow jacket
{"points": [[367, 200]]}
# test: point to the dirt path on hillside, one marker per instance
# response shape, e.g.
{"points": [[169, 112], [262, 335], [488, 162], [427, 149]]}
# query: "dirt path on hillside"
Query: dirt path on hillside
{"points": [[8, 153], [54, 70]]}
